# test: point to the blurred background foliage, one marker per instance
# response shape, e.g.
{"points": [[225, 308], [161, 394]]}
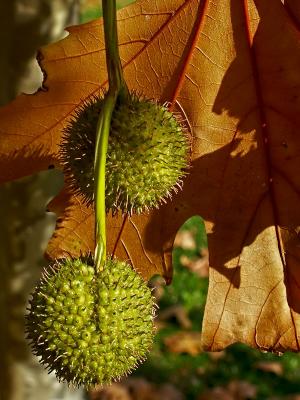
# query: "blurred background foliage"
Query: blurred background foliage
{"points": [[176, 368]]}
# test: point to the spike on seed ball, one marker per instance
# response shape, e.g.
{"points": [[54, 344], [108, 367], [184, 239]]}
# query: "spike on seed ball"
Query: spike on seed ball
{"points": [[147, 154], [91, 329]]}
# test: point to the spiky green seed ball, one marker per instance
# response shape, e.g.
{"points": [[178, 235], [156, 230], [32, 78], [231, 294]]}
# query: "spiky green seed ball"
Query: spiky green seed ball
{"points": [[91, 329], [147, 154]]}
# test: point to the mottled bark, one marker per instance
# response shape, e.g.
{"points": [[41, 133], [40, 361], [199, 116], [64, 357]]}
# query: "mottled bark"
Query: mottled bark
{"points": [[26, 25], [25, 228]]}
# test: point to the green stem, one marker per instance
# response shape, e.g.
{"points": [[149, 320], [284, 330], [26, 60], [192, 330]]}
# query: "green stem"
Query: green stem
{"points": [[102, 135], [117, 89], [113, 63]]}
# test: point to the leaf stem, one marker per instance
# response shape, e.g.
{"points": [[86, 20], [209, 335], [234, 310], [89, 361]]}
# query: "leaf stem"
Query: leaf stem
{"points": [[113, 62], [102, 135], [117, 90]]}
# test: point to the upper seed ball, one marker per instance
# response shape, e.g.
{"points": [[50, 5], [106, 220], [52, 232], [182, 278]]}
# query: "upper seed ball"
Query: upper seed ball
{"points": [[147, 154]]}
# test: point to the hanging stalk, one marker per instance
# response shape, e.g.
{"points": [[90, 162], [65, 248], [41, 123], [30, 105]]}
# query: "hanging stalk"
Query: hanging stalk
{"points": [[113, 62], [117, 90]]}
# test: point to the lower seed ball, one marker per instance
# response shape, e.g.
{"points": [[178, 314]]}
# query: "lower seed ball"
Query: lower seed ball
{"points": [[91, 329]]}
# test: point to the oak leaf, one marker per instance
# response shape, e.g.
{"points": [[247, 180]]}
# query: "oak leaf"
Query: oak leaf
{"points": [[232, 69]]}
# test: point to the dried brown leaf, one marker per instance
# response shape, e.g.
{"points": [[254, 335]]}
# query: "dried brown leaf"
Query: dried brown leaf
{"points": [[177, 311], [199, 266], [231, 68], [185, 239], [274, 367], [184, 342]]}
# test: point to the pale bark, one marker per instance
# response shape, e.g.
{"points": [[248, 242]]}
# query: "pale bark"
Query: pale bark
{"points": [[25, 228], [26, 25]]}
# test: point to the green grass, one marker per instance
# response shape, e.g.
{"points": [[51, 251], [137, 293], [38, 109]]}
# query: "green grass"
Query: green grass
{"points": [[90, 13]]}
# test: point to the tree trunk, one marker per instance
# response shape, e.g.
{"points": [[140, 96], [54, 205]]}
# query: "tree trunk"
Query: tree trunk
{"points": [[25, 228], [26, 25]]}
